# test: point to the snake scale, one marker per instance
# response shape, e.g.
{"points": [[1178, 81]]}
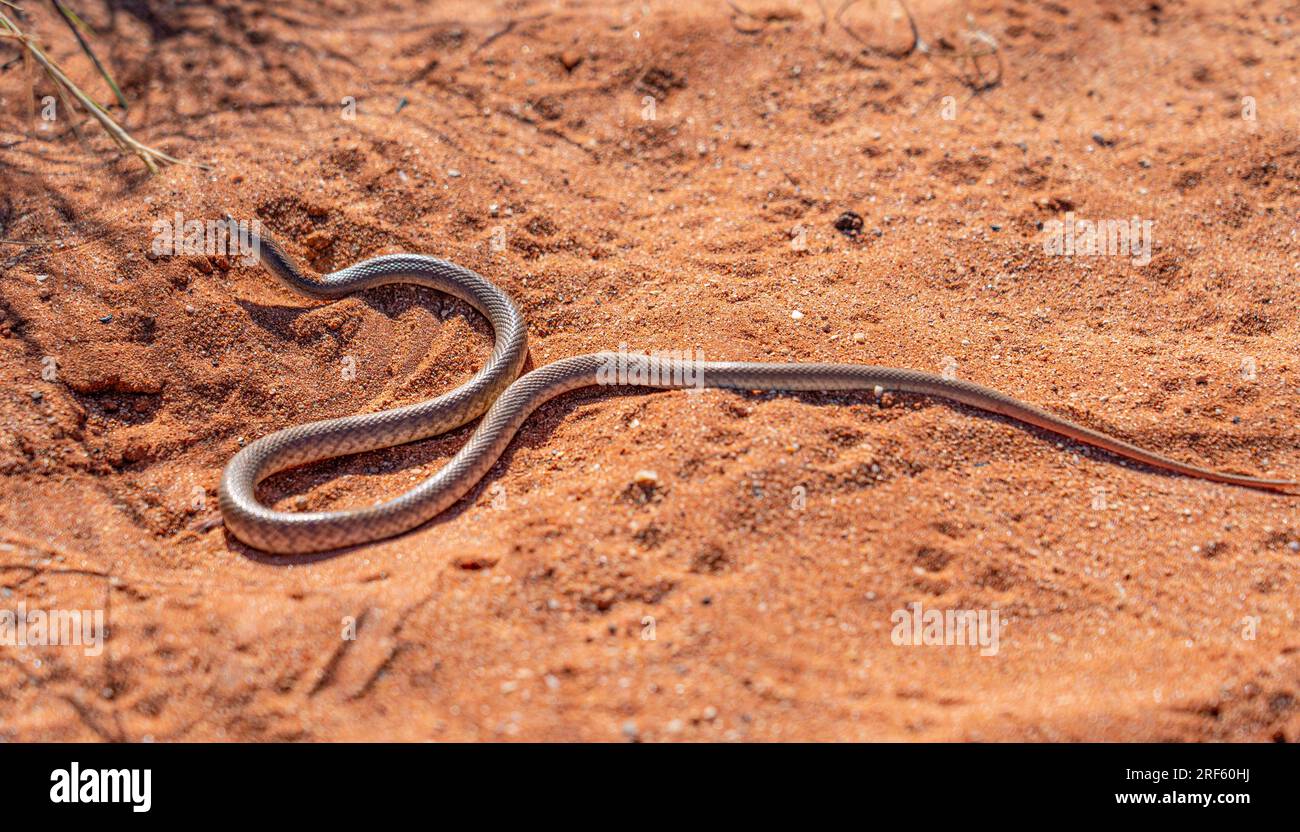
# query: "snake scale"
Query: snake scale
{"points": [[508, 399]]}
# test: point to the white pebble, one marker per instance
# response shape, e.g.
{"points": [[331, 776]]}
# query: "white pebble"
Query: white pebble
{"points": [[646, 478]]}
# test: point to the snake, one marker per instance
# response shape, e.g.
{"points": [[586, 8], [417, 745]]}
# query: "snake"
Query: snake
{"points": [[505, 399]]}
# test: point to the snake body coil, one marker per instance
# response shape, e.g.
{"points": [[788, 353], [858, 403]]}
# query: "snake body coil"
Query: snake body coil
{"points": [[508, 401]]}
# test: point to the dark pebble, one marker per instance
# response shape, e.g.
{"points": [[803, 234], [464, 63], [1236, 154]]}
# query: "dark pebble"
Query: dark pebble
{"points": [[849, 224]]}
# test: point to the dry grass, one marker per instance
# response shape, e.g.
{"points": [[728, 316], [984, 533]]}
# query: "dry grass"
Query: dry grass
{"points": [[70, 92]]}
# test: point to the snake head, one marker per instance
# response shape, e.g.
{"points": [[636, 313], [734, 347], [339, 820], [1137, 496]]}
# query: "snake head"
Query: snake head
{"points": [[246, 237]]}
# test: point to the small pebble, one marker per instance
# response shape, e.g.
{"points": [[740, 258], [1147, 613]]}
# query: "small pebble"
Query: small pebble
{"points": [[859, 337], [797, 315], [107, 319], [849, 224], [646, 478]]}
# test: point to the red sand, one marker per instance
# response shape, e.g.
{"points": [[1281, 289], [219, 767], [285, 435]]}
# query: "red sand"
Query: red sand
{"points": [[526, 612]]}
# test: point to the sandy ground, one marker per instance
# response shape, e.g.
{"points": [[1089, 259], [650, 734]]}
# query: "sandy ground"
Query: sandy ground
{"points": [[666, 175]]}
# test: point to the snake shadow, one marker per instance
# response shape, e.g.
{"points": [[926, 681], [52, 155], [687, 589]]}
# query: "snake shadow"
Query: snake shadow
{"points": [[543, 424], [392, 302]]}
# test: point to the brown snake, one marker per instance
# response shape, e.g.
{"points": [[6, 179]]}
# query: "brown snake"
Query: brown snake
{"points": [[508, 402]]}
